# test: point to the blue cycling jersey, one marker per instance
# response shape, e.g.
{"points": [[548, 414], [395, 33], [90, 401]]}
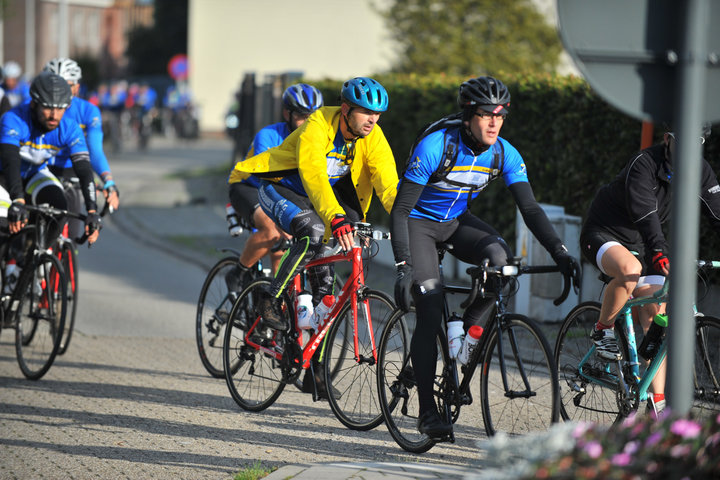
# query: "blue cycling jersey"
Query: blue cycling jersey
{"points": [[268, 137], [37, 147], [442, 201], [88, 117], [338, 165]]}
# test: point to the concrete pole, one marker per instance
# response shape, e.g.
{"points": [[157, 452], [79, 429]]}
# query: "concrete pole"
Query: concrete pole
{"points": [[29, 39], [689, 112], [63, 29]]}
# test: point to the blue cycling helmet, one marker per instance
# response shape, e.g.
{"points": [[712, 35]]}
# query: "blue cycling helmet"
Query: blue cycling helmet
{"points": [[367, 93], [302, 98]]}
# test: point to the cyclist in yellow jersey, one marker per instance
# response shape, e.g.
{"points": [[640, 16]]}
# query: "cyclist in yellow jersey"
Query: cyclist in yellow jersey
{"points": [[321, 179]]}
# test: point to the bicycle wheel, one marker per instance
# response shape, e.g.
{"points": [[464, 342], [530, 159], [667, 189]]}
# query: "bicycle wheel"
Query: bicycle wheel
{"points": [[68, 258], [518, 387], [213, 310], [397, 389], [253, 377], [353, 393], [40, 317], [707, 368], [581, 399]]}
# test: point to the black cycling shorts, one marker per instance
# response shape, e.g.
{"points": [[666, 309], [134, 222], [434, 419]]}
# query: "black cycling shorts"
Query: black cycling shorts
{"points": [[244, 199], [594, 242]]}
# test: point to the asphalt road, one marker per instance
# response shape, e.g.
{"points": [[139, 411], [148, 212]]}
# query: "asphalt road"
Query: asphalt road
{"points": [[130, 398]]}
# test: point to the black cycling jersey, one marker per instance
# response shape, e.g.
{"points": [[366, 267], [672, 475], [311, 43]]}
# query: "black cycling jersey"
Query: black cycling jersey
{"points": [[637, 202]]}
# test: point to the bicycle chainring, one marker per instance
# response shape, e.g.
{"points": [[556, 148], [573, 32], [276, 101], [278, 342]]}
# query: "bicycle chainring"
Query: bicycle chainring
{"points": [[291, 361]]}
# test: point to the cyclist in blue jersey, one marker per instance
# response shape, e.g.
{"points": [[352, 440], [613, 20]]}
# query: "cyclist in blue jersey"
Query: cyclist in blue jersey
{"points": [[299, 101], [89, 118], [432, 207], [16, 88], [30, 135]]}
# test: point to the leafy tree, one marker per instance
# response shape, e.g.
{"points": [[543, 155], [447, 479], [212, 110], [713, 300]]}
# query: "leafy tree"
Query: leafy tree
{"points": [[471, 37], [151, 48]]}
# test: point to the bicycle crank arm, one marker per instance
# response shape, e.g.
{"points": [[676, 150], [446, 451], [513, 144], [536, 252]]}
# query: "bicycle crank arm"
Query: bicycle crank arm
{"points": [[523, 394]]}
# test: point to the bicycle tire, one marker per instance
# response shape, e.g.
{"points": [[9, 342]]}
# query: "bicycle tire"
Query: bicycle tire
{"points": [[706, 376], [353, 395], [527, 355], [254, 378], [213, 310], [397, 390], [68, 258], [42, 307], [581, 399]]}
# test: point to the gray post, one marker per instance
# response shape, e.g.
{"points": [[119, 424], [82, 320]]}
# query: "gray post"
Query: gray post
{"points": [[63, 29], [689, 109], [29, 39]]}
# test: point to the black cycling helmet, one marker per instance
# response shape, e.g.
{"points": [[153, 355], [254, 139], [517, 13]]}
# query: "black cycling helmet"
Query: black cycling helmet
{"points": [[488, 93], [51, 91]]}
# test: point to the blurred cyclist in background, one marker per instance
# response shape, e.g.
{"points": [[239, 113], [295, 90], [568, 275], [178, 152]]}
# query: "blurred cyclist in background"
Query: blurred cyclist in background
{"points": [[16, 88]]}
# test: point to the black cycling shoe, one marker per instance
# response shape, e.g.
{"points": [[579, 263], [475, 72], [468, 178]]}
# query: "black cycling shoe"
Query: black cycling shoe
{"points": [[271, 313], [309, 385], [433, 426]]}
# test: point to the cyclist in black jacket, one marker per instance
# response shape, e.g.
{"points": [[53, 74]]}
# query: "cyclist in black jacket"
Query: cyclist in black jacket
{"points": [[626, 216]]}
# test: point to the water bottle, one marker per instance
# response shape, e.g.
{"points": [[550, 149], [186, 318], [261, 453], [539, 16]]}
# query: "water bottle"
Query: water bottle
{"points": [[654, 336], [11, 276], [471, 340], [322, 310], [304, 311], [233, 222], [455, 335]]}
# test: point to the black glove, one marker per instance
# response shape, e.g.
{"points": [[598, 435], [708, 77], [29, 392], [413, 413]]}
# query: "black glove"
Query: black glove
{"points": [[403, 284], [93, 222], [340, 226], [569, 267], [17, 213]]}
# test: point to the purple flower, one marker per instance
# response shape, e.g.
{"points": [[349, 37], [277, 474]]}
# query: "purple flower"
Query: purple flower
{"points": [[580, 429], [593, 449], [621, 459], [679, 451], [631, 447], [685, 428], [653, 439]]}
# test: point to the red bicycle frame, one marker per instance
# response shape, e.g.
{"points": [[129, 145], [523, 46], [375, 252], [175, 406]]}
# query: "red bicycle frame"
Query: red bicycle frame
{"points": [[349, 292]]}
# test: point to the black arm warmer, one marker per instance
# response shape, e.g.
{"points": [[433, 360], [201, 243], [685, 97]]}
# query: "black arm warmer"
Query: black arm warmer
{"points": [[535, 218], [84, 172], [10, 158], [405, 201]]}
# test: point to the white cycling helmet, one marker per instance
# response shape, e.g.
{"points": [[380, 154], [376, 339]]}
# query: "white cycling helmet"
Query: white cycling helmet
{"points": [[12, 70], [66, 68]]}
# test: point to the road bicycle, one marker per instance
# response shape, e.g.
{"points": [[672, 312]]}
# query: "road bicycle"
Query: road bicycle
{"points": [[592, 389], [66, 250], [259, 362], [517, 388], [38, 305], [213, 309]]}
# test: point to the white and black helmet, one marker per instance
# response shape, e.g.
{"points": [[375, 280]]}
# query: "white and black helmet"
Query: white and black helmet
{"points": [[66, 68]]}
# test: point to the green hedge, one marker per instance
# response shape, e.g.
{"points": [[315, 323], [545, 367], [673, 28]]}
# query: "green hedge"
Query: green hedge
{"points": [[572, 141]]}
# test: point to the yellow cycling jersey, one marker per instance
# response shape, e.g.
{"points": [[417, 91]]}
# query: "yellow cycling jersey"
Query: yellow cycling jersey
{"points": [[305, 151]]}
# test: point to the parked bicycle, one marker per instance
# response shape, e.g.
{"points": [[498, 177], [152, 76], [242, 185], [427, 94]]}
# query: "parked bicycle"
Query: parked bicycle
{"points": [[258, 362], [592, 389], [38, 305], [517, 384]]}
